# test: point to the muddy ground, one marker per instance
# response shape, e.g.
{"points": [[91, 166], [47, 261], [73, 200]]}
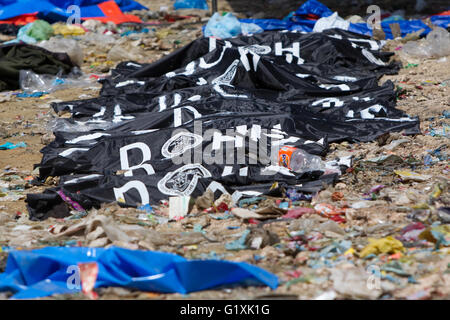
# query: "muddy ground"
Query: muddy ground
{"points": [[420, 271]]}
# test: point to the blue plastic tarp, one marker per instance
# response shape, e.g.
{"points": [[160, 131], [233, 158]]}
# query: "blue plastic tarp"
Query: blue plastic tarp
{"points": [[275, 24], [406, 26], [57, 8], [43, 272], [441, 21], [298, 22], [313, 7]]}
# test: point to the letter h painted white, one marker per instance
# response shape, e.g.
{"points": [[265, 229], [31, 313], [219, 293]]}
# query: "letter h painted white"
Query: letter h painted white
{"points": [[294, 51]]}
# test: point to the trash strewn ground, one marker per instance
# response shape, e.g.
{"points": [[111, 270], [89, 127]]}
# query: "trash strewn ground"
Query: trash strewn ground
{"points": [[381, 232]]}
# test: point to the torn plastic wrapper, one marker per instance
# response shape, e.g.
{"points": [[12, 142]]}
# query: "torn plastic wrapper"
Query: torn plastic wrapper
{"points": [[33, 82]]}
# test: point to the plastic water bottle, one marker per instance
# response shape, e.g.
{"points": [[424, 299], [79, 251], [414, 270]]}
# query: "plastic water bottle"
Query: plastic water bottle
{"points": [[299, 160]]}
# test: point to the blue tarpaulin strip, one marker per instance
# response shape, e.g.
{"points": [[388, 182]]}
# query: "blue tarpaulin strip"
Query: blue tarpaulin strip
{"points": [[313, 7], [89, 9], [52, 270]]}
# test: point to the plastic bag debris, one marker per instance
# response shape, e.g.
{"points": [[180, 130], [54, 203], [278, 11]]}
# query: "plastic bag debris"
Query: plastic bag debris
{"points": [[353, 283], [436, 45], [383, 245], [6, 97], [331, 22], [32, 32], [411, 232], [140, 270], [69, 46], [40, 30], [95, 38], [119, 53], [32, 82], [250, 28], [22, 35], [223, 27], [240, 243]]}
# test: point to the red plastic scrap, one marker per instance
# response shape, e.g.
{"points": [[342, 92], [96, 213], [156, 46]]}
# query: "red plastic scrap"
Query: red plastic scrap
{"points": [[222, 207], [298, 212], [88, 277]]}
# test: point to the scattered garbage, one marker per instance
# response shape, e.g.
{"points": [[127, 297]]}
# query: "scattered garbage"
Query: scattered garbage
{"points": [[435, 45], [69, 46], [227, 26], [353, 283], [366, 217], [31, 82], [223, 27], [14, 58], [118, 53]]}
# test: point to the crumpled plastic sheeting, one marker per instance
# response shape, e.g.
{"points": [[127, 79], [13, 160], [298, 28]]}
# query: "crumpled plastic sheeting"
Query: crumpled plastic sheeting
{"points": [[303, 20], [43, 272], [383, 245]]}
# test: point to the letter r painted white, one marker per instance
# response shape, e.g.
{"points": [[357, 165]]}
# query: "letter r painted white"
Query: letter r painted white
{"points": [[146, 156]]}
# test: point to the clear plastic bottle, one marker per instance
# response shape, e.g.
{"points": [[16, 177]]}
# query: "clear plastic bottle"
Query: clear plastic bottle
{"points": [[299, 160]]}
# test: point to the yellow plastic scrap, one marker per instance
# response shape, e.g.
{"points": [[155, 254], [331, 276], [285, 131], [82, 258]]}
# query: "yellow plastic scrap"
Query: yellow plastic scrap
{"points": [[383, 245], [350, 251], [420, 206], [68, 30], [412, 176], [436, 192]]}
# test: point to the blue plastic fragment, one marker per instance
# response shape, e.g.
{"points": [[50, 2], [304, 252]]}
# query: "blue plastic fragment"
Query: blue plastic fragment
{"points": [[147, 208], [190, 4], [238, 244], [9, 145], [32, 95]]}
